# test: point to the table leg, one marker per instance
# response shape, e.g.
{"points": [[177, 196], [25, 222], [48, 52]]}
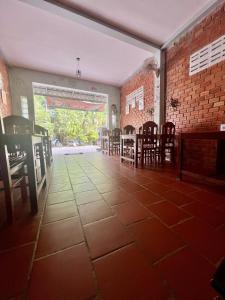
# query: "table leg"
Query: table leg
{"points": [[31, 172], [136, 152]]}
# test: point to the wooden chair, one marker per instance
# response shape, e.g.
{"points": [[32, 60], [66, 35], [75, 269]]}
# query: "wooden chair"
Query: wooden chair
{"points": [[115, 141], [149, 144], [129, 129], [105, 140], [167, 143], [128, 145], [13, 161], [46, 142]]}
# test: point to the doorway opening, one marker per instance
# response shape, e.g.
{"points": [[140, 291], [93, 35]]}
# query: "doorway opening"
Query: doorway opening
{"points": [[74, 118]]}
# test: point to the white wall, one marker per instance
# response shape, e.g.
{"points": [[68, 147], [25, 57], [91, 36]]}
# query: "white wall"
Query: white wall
{"points": [[21, 85]]}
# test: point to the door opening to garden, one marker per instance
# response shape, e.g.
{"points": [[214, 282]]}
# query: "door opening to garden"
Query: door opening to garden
{"points": [[74, 118]]}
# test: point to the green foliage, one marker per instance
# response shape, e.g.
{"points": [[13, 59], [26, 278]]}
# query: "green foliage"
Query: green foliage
{"points": [[67, 124]]}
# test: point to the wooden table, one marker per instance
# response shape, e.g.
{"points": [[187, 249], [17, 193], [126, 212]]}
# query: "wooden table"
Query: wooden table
{"points": [[27, 142], [137, 143]]}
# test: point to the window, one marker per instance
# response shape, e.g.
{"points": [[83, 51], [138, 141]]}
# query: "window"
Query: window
{"points": [[208, 56], [24, 107]]}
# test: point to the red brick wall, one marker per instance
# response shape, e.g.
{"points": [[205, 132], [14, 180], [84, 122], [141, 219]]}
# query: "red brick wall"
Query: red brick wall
{"points": [[201, 96], [136, 117], [5, 98]]}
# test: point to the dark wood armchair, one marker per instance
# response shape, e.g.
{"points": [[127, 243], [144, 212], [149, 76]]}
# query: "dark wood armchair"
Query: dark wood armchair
{"points": [[167, 146], [105, 140], [149, 144], [18, 162], [128, 145], [13, 161], [115, 141]]}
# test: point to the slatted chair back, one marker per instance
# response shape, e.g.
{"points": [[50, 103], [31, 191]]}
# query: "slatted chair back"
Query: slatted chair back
{"points": [[40, 130], [116, 132], [150, 131], [17, 125], [129, 129], [168, 131], [105, 132]]}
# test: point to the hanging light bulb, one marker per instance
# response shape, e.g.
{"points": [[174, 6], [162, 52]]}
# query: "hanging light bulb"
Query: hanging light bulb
{"points": [[78, 70]]}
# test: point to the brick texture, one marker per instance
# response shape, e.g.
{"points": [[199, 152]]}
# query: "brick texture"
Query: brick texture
{"points": [[136, 117], [201, 96], [5, 105]]}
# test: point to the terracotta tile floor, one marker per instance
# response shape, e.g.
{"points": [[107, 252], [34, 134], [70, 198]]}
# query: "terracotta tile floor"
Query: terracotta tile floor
{"points": [[107, 231]]}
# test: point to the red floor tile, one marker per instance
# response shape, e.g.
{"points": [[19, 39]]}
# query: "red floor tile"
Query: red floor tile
{"points": [[188, 275], [221, 208], [117, 197], [157, 188], [147, 198], [168, 213], [64, 275], [131, 187], [203, 238], [131, 212], [78, 180], [107, 187], [88, 197], [95, 211], [126, 274], [54, 188], [60, 211], [155, 239], [15, 265], [184, 187], [105, 236], [177, 197], [209, 198], [165, 180], [59, 235], [21, 232], [83, 187], [60, 197], [207, 213]]}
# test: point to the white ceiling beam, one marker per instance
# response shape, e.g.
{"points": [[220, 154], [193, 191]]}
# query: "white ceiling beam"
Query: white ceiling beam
{"points": [[94, 24]]}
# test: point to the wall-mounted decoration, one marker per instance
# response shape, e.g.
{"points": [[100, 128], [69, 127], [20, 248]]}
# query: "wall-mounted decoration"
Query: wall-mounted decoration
{"points": [[174, 103], [207, 56], [114, 115], [136, 97]]}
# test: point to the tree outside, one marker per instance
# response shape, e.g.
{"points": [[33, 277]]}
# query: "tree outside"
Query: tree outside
{"points": [[65, 124]]}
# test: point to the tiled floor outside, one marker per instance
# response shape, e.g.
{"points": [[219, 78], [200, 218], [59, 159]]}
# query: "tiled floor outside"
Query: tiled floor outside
{"points": [[111, 232]]}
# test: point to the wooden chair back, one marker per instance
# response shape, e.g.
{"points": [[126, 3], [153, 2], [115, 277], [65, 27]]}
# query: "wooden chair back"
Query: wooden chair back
{"points": [[17, 125], [129, 129], [168, 131], [40, 130], [150, 129], [105, 132], [116, 132]]}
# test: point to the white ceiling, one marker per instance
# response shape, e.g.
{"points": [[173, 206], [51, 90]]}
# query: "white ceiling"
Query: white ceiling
{"points": [[155, 20], [33, 38]]}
